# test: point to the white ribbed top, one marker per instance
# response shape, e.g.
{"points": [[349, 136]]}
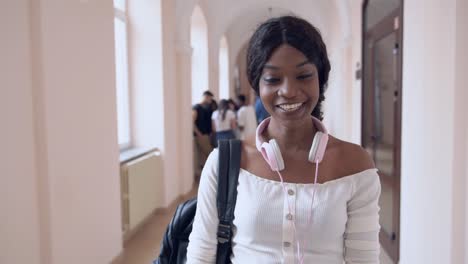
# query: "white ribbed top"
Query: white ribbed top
{"points": [[220, 124], [344, 226]]}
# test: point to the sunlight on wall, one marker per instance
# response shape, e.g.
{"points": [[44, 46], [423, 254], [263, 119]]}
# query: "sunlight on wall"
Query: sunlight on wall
{"points": [[223, 68], [146, 71], [199, 42]]}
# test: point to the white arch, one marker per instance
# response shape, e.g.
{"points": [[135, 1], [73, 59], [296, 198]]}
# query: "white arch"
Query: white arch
{"points": [[245, 23], [199, 43], [250, 13], [184, 11]]}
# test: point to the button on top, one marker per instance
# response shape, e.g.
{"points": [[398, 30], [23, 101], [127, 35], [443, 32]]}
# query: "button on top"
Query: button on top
{"points": [[289, 216], [290, 192], [286, 244]]}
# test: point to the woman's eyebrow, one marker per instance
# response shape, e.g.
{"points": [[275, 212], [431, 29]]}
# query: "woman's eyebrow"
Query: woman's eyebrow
{"points": [[271, 67], [302, 63]]}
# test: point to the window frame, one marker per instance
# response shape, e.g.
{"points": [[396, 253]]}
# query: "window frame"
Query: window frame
{"points": [[121, 15]]}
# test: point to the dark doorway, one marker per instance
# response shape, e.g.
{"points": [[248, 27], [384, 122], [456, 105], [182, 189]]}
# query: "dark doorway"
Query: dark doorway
{"points": [[381, 109]]}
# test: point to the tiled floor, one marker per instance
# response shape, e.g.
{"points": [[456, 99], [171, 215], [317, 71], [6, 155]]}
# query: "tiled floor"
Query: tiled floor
{"points": [[143, 247]]}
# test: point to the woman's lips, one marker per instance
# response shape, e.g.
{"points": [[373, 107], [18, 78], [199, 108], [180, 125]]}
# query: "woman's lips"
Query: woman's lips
{"points": [[290, 107]]}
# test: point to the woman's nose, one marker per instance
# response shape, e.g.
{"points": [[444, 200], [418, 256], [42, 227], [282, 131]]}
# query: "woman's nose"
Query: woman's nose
{"points": [[288, 89]]}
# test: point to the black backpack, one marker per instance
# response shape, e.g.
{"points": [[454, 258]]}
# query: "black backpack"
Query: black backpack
{"points": [[175, 241]]}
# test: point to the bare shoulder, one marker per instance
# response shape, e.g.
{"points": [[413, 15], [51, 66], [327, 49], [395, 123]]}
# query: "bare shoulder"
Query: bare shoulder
{"points": [[248, 145], [250, 154], [353, 157]]}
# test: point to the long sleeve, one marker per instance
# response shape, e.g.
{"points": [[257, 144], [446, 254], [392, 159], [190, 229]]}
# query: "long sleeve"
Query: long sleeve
{"points": [[203, 239], [362, 227]]}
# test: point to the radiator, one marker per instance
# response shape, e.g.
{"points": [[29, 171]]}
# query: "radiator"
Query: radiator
{"points": [[141, 190]]}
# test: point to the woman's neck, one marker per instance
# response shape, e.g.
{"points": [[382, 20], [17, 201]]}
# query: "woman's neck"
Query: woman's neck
{"points": [[292, 137]]}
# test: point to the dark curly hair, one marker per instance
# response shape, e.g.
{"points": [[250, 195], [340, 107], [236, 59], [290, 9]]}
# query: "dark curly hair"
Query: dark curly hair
{"points": [[297, 33]]}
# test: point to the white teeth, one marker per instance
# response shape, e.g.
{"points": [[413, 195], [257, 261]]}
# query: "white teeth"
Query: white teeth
{"points": [[290, 107]]}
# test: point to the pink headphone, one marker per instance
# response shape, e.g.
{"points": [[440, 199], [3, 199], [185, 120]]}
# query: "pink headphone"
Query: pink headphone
{"points": [[272, 155], [271, 151]]}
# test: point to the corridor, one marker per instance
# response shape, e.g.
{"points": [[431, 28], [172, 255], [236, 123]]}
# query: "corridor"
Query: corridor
{"points": [[99, 124]]}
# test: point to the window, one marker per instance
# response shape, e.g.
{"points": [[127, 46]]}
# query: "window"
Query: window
{"points": [[223, 69], [199, 42], [121, 69]]}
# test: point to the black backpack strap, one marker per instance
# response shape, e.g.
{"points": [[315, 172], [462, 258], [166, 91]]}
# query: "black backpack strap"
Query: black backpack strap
{"points": [[228, 175]]}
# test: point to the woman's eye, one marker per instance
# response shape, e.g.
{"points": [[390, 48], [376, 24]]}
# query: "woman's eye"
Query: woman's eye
{"points": [[271, 80], [305, 76]]}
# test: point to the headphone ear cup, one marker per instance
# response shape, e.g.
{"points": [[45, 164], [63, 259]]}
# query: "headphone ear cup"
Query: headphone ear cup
{"points": [[317, 151], [277, 155], [272, 155]]}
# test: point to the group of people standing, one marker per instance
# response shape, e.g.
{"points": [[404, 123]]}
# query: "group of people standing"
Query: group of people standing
{"points": [[226, 120]]}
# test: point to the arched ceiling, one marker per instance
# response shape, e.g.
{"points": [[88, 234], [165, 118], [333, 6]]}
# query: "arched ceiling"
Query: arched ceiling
{"points": [[237, 19]]}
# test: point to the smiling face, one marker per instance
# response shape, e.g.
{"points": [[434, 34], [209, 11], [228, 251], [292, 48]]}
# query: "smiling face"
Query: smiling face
{"points": [[289, 85]]}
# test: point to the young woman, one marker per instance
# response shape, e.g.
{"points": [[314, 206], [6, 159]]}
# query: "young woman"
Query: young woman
{"points": [[223, 121], [287, 211]]}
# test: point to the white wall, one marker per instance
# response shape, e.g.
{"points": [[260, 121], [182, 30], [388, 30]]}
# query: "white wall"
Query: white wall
{"points": [[59, 108], [336, 95], [354, 120], [19, 222], [79, 101], [427, 132]]}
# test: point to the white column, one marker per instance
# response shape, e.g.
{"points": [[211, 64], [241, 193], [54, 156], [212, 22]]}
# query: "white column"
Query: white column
{"points": [[184, 54], [213, 62], [177, 54]]}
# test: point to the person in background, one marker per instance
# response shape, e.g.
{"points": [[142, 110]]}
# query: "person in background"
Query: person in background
{"points": [[232, 105], [246, 118], [260, 111], [201, 114], [223, 121], [214, 107]]}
